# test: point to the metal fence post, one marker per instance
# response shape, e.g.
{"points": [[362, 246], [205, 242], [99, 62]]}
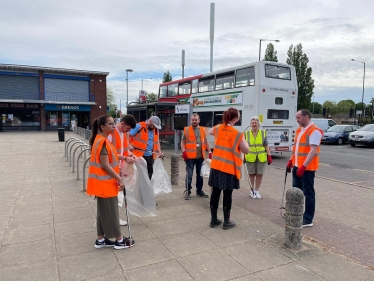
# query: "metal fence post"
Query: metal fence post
{"points": [[79, 156]]}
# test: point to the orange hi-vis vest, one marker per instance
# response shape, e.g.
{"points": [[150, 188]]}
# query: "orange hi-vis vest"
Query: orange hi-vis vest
{"points": [[120, 145], [226, 155], [140, 140], [100, 183], [191, 142], [304, 149]]}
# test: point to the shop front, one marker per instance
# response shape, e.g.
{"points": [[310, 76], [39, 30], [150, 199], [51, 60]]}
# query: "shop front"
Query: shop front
{"points": [[20, 116], [66, 116]]}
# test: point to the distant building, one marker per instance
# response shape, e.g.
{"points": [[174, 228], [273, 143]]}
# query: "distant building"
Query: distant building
{"points": [[45, 98]]}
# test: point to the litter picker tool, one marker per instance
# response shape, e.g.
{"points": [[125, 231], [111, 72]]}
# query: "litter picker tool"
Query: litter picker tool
{"points": [[284, 188], [128, 219], [249, 180]]}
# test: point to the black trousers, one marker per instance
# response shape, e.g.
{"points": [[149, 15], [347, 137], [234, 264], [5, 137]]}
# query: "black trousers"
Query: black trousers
{"points": [[150, 161], [227, 198]]}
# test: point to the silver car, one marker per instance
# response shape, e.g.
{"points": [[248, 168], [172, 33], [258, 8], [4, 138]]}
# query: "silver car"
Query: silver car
{"points": [[364, 136]]}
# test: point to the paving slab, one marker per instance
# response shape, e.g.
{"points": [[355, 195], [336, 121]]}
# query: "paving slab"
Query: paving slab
{"points": [[76, 243], [165, 271], [28, 234], [169, 227]]}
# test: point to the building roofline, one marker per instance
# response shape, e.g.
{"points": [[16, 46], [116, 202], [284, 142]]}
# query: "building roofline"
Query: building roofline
{"points": [[16, 67]]}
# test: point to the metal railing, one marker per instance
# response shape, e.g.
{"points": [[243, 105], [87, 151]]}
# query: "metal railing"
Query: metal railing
{"points": [[83, 146]]}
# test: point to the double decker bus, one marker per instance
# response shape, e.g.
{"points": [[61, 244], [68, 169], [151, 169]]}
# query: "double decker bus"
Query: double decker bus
{"points": [[264, 89]]}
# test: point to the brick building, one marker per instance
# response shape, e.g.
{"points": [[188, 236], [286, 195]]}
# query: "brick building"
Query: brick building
{"points": [[45, 98]]}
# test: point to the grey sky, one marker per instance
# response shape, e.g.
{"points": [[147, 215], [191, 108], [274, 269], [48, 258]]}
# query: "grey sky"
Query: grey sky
{"points": [[148, 36]]}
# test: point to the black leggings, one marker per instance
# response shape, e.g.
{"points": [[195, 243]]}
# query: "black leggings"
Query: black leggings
{"points": [[227, 198]]}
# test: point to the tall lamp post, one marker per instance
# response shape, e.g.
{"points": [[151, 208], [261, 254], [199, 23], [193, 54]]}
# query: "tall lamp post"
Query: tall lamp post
{"points": [[142, 81], [127, 87], [259, 52], [363, 91]]}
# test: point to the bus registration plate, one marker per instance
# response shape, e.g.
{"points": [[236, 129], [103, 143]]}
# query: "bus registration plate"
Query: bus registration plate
{"points": [[277, 122]]}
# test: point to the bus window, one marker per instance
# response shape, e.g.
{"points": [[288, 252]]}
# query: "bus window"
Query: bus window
{"points": [[278, 100], [278, 72], [206, 119], [278, 114], [163, 91], [184, 88], [225, 80], [245, 77], [218, 118], [206, 84], [194, 86], [172, 90]]}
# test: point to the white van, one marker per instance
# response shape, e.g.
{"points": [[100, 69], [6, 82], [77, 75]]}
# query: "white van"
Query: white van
{"points": [[323, 123]]}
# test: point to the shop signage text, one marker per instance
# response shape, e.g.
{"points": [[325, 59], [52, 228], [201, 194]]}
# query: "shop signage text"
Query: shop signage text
{"points": [[19, 105]]}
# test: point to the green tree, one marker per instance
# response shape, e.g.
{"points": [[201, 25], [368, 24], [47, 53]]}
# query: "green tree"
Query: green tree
{"points": [[299, 60], [359, 106], [167, 77], [111, 102], [331, 107], [270, 53], [152, 97], [372, 100], [345, 105], [315, 108]]}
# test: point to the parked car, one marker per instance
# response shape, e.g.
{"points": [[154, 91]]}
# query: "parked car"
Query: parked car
{"points": [[338, 134], [364, 136], [323, 124]]}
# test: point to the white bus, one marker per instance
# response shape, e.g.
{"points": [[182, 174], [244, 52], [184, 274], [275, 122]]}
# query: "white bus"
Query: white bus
{"points": [[264, 89]]}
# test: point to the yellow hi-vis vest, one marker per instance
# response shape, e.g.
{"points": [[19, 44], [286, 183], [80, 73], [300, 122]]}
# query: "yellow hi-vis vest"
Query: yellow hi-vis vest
{"points": [[256, 146]]}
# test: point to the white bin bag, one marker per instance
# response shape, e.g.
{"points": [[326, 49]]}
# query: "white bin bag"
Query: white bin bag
{"points": [[205, 168], [140, 196], [160, 178]]}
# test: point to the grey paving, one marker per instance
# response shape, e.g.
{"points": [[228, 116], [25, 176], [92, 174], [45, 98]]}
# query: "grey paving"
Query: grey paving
{"points": [[47, 228]]}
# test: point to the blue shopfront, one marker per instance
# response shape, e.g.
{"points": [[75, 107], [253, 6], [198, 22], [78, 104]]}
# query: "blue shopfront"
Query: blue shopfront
{"points": [[66, 116]]}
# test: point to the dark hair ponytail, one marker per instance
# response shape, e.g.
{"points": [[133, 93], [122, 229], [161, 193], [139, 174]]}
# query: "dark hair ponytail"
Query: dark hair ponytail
{"points": [[229, 115], [97, 127]]}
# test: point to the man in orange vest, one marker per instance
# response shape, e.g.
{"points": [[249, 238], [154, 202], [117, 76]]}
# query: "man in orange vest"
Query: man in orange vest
{"points": [[120, 140], [194, 144], [305, 160], [145, 140]]}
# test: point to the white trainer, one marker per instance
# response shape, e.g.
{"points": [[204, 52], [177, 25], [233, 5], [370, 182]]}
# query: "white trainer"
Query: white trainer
{"points": [[257, 195], [252, 195], [123, 223]]}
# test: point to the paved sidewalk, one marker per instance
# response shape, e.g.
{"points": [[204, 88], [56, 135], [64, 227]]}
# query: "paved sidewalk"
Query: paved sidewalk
{"points": [[47, 228]]}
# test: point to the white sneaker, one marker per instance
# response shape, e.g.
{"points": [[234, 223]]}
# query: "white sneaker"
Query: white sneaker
{"points": [[121, 222], [257, 195], [252, 195]]}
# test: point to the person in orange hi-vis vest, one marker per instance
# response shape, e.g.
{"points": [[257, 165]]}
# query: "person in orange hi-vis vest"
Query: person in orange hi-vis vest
{"points": [[120, 140], [145, 140], [226, 164], [104, 182], [304, 161], [194, 144]]}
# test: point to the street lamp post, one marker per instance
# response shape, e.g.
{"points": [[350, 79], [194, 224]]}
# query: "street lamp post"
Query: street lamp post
{"points": [[142, 81], [313, 106], [363, 91], [259, 52], [127, 86]]}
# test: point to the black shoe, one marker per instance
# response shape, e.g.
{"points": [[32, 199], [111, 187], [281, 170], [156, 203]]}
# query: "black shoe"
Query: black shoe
{"points": [[202, 194], [126, 243], [187, 195], [105, 244], [214, 223], [228, 223]]}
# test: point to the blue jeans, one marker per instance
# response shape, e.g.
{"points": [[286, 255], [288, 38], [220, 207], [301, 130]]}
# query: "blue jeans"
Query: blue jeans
{"points": [[306, 184], [190, 164]]}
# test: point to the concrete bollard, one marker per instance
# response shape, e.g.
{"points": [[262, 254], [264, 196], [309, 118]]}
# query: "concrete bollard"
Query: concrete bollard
{"points": [[174, 169], [294, 218]]}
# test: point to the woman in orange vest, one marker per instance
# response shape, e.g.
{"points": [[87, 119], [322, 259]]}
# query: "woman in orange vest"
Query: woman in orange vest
{"points": [[104, 182], [226, 163]]}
